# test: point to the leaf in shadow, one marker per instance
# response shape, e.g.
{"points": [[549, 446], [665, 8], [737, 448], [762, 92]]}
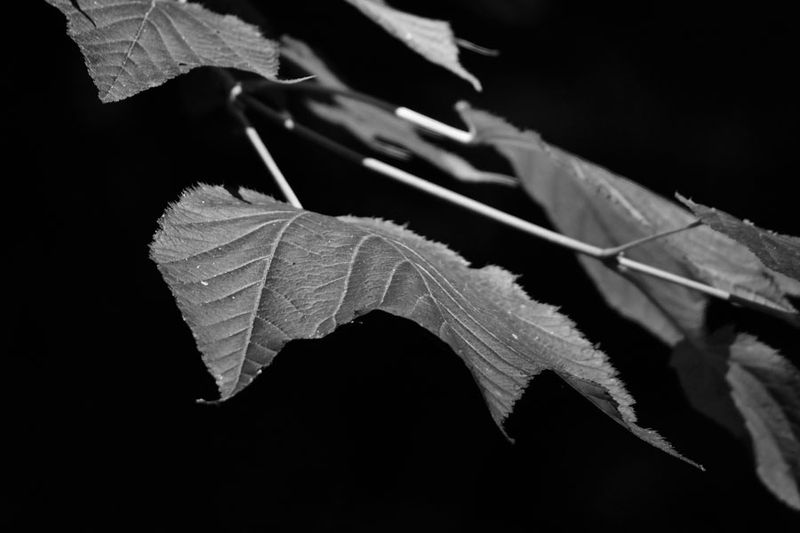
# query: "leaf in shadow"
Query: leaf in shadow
{"points": [[778, 252], [754, 392], [591, 204], [138, 44], [432, 39], [251, 274], [376, 127]]}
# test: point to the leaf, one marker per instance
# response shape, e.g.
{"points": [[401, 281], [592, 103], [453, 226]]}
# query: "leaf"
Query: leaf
{"points": [[591, 204], [776, 251], [250, 275], [376, 127], [133, 45], [432, 39], [754, 392]]}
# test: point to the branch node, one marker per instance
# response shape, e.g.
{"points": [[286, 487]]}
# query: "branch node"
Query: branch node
{"points": [[617, 262], [617, 251]]}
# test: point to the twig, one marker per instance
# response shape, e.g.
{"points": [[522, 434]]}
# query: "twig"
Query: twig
{"points": [[480, 208], [261, 149], [415, 117], [614, 255], [468, 45], [617, 250]]}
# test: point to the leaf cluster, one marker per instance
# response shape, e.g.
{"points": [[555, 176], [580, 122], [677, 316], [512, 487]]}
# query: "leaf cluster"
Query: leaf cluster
{"points": [[250, 273]]}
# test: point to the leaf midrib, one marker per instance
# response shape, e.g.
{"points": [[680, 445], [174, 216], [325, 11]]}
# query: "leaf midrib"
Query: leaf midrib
{"points": [[129, 52], [260, 292]]}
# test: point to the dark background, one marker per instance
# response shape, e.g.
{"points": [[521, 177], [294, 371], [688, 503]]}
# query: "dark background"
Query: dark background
{"points": [[377, 427]]}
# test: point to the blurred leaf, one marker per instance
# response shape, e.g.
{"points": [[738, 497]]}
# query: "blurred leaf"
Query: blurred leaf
{"points": [[138, 44], [591, 204], [250, 275], [778, 252], [376, 127], [432, 39], [754, 392]]}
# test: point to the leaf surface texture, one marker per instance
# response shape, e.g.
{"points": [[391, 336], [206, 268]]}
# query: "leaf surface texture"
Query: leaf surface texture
{"points": [[251, 274], [133, 45]]}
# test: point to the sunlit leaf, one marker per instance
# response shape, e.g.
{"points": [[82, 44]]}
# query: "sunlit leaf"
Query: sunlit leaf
{"points": [[432, 39], [251, 274], [133, 45]]}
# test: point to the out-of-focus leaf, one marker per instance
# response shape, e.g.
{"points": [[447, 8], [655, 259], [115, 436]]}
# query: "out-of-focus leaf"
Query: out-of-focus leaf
{"points": [[377, 127], [251, 274], [778, 252], [134, 45], [754, 392], [701, 365], [589, 203], [432, 39]]}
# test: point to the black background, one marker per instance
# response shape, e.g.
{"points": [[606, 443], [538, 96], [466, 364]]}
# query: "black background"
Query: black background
{"points": [[377, 427]]}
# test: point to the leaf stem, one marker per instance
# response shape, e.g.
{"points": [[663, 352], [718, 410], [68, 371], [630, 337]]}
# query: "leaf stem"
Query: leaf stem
{"points": [[433, 125], [613, 255], [628, 264], [617, 250], [261, 149], [480, 208], [428, 123]]}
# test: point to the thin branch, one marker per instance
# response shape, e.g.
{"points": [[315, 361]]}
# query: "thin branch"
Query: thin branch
{"points": [[261, 149], [624, 264], [428, 123], [433, 125], [617, 250], [610, 254], [477, 207], [472, 47]]}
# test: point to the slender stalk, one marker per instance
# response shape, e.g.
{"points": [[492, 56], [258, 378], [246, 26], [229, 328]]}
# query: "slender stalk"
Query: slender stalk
{"points": [[538, 231], [415, 117], [477, 207], [270, 163], [629, 264], [262, 151], [617, 250], [433, 125], [610, 254]]}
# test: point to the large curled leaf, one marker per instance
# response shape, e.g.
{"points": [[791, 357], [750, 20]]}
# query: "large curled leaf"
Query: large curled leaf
{"points": [[778, 252], [376, 127], [251, 274], [133, 45], [754, 392], [591, 204], [432, 39]]}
